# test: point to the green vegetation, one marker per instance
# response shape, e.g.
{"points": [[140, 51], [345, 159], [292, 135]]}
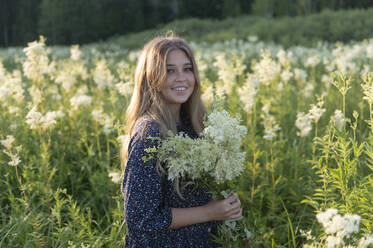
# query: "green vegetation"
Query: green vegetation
{"points": [[340, 26], [309, 143], [80, 21]]}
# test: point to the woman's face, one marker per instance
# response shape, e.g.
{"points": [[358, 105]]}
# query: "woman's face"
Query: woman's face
{"points": [[180, 78]]}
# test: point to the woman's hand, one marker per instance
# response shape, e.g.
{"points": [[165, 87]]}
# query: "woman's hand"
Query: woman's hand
{"points": [[227, 209]]}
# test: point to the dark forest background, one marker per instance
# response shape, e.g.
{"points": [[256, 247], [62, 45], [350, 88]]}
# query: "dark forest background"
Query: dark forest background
{"points": [[84, 21]]}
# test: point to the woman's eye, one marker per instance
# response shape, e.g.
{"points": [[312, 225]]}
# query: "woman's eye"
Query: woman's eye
{"points": [[170, 70], [189, 69]]}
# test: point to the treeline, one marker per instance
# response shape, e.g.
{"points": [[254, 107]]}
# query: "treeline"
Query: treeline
{"points": [[82, 21], [330, 26]]}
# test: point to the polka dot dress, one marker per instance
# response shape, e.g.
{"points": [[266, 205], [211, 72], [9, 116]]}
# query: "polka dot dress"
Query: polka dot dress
{"points": [[149, 197]]}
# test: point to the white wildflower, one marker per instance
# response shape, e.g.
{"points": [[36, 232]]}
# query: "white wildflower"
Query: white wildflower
{"points": [[281, 55], [80, 100], [307, 234], [225, 73], [333, 242], [316, 111], [75, 52], [338, 119], [270, 126], [14, 155], [13, 126], [67, 79], [34, 118], [247, 92], [222, 127], [14, 160], [366, 240], [102, 75], [312, 61], [35, 94], [370, 51], [341, 226], [108, 124], [327, 80], [97, 114], [37, 62], [8, 142], [308, 90], [300, 75], [115, 177], [252, 38], [325, 217], [125, 89], [49, 119], [286, 75], [267, 69], [208, 94], [367, 86], [13, 110], [303, 123]]}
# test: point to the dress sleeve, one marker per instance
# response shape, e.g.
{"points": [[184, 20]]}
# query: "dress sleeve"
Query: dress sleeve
{"points": [[145, 209]]}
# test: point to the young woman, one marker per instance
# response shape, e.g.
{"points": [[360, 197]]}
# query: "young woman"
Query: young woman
{"points": [[166, 97]]}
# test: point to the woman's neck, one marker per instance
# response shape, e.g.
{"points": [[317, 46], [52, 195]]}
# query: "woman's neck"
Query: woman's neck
{"points": [[175, 111]]}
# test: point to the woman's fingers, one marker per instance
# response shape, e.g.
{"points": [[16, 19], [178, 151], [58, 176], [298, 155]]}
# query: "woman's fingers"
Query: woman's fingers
{"points": [[232, 198], [237, 214], [227, 209], [234, 209]]}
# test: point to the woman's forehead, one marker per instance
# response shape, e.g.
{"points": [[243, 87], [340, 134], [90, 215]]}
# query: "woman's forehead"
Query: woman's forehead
{"points": [[177, 56]]}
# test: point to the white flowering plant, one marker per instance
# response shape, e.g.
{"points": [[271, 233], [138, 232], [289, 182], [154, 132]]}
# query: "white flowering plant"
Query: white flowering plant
{"points": [[212, 160], [339, 231]]}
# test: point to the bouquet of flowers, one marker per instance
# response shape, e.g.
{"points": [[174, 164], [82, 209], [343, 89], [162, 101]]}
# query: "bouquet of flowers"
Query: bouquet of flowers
{"points": [[213, 160]]}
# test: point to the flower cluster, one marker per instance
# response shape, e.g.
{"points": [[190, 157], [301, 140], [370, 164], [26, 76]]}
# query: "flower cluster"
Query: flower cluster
{"points": [[367, 86], [339, 230], [248, 91], [37, 62], [304, 121], [102, 75], [267, 69], [216, 154], [80, 100], [12, 153], [37, 120], [103, 119], [341, 226], [338, 119]]}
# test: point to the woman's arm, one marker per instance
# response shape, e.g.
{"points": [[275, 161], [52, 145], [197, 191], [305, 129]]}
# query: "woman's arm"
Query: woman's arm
{"points": [[226, 209]]}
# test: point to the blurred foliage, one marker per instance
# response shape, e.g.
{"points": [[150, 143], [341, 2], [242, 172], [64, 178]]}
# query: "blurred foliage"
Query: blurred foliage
{"points": [[330, 26], [79, 21]]}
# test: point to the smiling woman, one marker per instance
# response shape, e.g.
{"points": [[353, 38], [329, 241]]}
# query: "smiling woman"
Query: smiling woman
{"points": [[180, 81], [166, 97]]}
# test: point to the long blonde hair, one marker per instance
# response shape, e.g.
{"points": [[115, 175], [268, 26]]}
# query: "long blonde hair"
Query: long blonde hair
{"points": [[147, 100]]}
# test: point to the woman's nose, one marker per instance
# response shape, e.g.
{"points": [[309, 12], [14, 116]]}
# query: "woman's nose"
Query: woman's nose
{"points": [[180, 75]]}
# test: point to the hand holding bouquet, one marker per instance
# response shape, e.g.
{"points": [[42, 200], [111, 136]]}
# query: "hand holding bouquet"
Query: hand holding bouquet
{"points": [[212, 160]]}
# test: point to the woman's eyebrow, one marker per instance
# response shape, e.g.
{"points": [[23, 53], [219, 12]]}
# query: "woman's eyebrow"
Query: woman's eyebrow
{"points": [[175, 65]]}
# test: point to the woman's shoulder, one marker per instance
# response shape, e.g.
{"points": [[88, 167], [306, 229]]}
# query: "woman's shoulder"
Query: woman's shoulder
{"points": [[145, 127]]}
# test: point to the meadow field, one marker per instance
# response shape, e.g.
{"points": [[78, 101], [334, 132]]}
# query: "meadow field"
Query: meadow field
{"points": [[309, 143]]}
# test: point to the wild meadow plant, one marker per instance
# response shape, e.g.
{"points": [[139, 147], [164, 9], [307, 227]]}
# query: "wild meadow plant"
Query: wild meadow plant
{"points": [[307, 143]]}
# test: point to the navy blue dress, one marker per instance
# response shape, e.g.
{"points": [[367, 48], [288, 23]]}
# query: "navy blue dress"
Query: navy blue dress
{"points": [[149, 197]]}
